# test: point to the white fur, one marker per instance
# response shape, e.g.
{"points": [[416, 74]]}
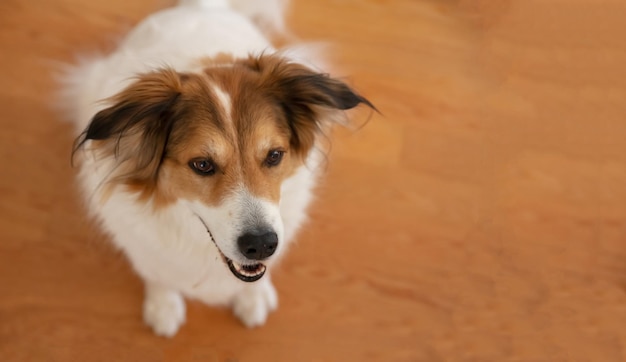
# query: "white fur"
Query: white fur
{"points": [[225, 102], [171, 249]]}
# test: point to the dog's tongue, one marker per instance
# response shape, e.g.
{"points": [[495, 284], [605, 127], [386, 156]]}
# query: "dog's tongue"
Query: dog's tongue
{"points": [[247, 273]]}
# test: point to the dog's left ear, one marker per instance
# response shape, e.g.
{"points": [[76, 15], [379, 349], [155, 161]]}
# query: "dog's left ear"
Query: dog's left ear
{"points": [[306, 97], [135, 129]]}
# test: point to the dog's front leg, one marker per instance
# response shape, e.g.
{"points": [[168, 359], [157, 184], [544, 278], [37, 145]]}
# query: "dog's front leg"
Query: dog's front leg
{"points": [[255, 302], [163, 309]]}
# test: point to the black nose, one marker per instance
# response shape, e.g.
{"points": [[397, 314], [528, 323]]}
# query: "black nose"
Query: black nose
{"points": [[258, 246]]}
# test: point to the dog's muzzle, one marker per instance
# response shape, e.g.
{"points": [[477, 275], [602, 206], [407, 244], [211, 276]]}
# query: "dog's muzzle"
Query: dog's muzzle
{"points": [[253, 246]]}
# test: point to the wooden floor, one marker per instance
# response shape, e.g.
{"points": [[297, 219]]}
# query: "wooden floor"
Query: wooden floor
{"points": [[481, 217]]}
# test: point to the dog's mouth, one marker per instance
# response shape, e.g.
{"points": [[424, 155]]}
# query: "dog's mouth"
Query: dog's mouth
{"points": [[246, 272]]}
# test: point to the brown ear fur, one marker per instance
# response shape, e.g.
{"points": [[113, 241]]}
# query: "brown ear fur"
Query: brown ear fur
{"points": [[135, 130], [304, 96]]}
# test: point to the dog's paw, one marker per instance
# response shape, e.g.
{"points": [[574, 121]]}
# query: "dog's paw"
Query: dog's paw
{"points": [[253, 304], [164, 311]]}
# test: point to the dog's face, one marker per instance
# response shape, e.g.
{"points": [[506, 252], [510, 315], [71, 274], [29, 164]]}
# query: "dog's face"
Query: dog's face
{"points": [[222, 141]]}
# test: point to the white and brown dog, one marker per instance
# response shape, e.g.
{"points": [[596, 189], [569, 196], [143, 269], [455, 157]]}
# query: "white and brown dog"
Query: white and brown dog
{"points": [[198, 153]]}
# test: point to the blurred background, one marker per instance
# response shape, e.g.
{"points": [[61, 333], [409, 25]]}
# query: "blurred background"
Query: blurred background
{"points": [[480, 217]]}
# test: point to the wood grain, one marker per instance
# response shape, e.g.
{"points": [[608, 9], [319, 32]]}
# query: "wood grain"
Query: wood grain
{"points": [[480, 217]]}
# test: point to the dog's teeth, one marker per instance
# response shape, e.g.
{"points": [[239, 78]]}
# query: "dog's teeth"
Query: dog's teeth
{"points": [[258, 269], [249, 271]]}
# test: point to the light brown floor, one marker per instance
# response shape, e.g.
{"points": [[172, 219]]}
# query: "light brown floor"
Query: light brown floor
{"points": [[482, 217]]}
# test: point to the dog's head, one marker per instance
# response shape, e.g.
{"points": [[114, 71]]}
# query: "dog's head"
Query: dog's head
{"points": [[223, 141]]}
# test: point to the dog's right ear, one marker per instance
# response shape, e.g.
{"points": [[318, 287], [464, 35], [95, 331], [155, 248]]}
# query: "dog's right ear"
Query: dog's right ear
{"points": [[136, 128], [307, 98]]}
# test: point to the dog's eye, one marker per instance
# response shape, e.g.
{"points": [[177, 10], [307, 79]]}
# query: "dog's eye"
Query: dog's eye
{"points": [[274, 157], [202, 166]]}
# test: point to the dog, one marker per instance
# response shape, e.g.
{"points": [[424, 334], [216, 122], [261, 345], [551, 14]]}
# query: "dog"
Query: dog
{"points": [[198, 150]]}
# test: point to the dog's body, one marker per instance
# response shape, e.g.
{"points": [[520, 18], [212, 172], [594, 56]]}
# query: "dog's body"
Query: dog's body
{"points": [[201, 164]]}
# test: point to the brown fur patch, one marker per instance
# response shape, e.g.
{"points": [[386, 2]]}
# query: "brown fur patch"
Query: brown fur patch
{"points": [[165, 119]]}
